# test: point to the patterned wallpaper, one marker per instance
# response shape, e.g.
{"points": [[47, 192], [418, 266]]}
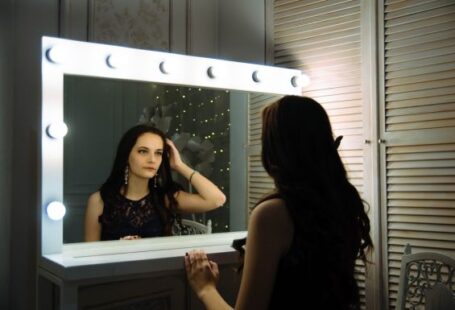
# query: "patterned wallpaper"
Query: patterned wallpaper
{"points": [[134, 23]]}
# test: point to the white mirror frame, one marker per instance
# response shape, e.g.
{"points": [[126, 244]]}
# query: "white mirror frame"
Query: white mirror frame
{"points": [[62, 56]]}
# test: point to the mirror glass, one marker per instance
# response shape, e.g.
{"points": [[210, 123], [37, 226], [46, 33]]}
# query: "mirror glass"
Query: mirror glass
{"points": [[99, 110]]}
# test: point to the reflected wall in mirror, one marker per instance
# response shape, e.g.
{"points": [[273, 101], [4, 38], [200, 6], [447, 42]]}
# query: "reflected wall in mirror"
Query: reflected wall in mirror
{"points": [[101, 90]]}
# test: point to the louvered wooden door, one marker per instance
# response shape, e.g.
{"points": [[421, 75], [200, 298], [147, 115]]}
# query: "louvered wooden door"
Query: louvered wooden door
{"points": [[323, 38], [418, 131]]}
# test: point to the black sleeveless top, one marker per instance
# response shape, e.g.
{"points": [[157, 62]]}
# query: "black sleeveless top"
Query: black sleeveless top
{"points": [[124, 217], [303, 281]]}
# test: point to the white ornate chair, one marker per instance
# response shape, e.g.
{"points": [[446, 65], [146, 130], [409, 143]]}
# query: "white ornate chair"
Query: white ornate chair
{"points": [[193, 228], [427, 281]]}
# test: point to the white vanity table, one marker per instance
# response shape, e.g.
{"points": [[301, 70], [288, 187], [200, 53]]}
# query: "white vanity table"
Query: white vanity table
{"points": [[133, 274], [146, 273]]}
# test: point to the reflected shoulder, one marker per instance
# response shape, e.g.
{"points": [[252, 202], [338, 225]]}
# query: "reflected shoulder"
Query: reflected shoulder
{"points": [[95, 199]]}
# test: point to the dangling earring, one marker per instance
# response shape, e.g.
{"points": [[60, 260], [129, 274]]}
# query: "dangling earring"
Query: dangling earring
{"points": [[126, 175], [155, 181]]}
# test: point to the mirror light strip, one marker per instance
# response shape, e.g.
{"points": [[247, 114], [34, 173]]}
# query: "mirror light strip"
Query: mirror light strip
{"points": [[100, 60]]}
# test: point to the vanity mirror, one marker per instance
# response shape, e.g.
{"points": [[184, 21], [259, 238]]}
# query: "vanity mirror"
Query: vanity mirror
{"points": [[93, 92]]}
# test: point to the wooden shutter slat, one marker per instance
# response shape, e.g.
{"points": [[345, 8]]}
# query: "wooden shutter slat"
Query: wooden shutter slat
{"points": [[421, 101], [431, 60], [412, 13], [421, 203], [421, 195], [423, 39], [423, 235], [421, 110], [421, 125], [421, 180], [424, 227], [421, 70], [421, 188], [411, 156], [419, 55]]}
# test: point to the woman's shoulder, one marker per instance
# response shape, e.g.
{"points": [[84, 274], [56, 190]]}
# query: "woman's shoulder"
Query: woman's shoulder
{"points": [[273, 223], [272, 211], [95, 204], [95, 199], [272, 206]]}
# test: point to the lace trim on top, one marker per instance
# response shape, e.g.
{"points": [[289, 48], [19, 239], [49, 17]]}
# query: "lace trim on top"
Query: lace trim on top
{"points": [[122, 217]]}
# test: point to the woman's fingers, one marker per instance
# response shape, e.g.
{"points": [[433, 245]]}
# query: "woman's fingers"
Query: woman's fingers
{"points": [[196, 259], [187, 263], [171, 146], [130, 237], [214, 267]]}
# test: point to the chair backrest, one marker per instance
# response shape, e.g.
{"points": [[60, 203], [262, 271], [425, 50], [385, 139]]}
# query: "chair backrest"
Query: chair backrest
{"points": [[193, 228], [427, 281]]}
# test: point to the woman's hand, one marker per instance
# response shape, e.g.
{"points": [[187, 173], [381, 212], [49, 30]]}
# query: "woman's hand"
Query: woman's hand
{"points": [[202, 273], [174, 156], [130, 237]]}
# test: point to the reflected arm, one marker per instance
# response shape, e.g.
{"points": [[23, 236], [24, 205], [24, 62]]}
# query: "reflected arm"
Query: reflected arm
{"points": [[208, 196], [94, 209]]}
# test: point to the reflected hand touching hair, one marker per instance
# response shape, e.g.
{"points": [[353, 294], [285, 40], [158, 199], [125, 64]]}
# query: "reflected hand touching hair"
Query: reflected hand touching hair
{"points": [[208, 196], [174, 155]]}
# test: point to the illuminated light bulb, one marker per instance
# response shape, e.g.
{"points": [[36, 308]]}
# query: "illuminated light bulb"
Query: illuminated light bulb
{"points": [[302, 80], [56, 210], [56, 55], [166, 67], [110, 61], [257, 76], [212, 72], [115, 61], [57, 130]]}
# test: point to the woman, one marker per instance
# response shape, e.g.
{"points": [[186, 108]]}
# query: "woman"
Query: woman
{"points": [[304, 239], [140, 199]]}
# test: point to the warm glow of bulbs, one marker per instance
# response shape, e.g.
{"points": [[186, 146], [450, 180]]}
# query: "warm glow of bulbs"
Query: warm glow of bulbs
{"points": [[56, 210], [57, 130]]}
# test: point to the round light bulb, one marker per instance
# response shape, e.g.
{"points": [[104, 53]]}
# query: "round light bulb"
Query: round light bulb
{"points": [[56, 210], [165, 67], [114, 61], [257, 76], [57, 130], [56, 55], [212, 72], [302, 80]]}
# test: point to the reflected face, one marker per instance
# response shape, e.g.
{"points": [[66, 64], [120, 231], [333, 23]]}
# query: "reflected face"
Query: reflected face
{"points": [[146, 156]]}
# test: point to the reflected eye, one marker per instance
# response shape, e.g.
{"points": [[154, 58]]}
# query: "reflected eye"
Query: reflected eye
{"points": [[159, 153], [142, 151]]}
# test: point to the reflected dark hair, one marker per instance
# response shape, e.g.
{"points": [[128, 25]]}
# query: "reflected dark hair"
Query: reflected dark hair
{"points": [[331, 226], [167, 187]]}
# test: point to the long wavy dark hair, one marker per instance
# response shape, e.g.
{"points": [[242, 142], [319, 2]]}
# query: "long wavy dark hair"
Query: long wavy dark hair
{"points": [[331, 226], [167, 187]]}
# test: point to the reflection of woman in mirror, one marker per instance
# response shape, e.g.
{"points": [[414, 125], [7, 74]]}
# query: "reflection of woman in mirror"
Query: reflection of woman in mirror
{"points": [[139, 199]]}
